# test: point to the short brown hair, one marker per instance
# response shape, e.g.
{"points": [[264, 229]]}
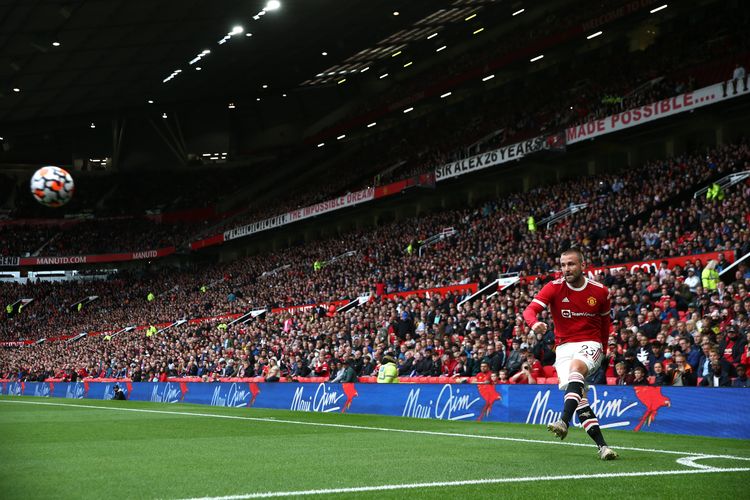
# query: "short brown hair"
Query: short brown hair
{"points": [[575, 251]]}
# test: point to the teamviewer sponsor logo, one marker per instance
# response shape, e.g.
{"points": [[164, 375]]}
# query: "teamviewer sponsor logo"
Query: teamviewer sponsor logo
{"points": [[567, 313]]}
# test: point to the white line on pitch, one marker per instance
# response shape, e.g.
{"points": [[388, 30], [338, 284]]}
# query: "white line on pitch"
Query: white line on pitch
{"points": [[359, 427], [408, 486]]}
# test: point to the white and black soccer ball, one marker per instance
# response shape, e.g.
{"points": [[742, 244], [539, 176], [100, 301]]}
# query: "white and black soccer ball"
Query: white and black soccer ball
{"points": [[52, 186]]}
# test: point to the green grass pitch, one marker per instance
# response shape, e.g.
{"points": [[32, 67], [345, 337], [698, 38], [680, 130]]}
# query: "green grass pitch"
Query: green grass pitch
{"points": [[107, 449]]}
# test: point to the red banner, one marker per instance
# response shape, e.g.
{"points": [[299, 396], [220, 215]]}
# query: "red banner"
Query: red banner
{"points": [[93, 259], [18, 343], [648, 266], [216, 239], [455, 289], [190, 215], [651, 266], [308, 307]]}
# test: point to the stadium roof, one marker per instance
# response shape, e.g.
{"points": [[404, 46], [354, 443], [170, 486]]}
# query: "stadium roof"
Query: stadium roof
{"points": [[71, 57]]}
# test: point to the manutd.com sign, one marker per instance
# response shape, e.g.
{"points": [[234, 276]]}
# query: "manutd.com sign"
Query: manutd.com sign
{"points": [[84, 259]]}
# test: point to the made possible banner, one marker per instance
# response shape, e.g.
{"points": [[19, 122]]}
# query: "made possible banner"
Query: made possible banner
{"points": [[660, 109], [675, 410]]}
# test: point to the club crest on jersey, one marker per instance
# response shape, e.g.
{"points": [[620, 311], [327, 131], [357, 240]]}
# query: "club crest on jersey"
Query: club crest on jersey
{"points": [[591, 301]]}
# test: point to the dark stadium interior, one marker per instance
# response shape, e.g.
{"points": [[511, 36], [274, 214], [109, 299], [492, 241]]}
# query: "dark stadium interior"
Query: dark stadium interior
{"points": [[269, 125]]}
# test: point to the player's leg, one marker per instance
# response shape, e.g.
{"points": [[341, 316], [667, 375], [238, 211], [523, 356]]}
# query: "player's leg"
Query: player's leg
{"points": [[563, 361], [587, 360], [573, 396], [591, 425]]}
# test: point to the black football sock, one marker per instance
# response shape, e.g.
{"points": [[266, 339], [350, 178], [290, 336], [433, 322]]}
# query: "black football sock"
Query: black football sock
{"points": [[573, 396], [590, 422]]}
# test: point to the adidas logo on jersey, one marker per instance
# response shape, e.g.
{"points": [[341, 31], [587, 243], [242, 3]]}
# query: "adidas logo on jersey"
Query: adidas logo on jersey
{"points": [[565, 299]]}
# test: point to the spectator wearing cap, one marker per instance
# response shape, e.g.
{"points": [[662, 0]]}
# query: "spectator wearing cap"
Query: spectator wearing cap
{"points": [[732, 346], [544, 351]]}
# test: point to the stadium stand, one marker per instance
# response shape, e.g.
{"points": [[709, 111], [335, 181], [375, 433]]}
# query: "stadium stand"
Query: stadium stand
{"points": [[639, 215], [179, 320]]}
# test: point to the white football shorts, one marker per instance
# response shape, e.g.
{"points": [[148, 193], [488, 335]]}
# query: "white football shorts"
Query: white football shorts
{"points": [[588, 352]]}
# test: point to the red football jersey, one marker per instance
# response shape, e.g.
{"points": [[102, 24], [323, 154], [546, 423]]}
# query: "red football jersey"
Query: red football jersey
{"points": [[580, 314]]}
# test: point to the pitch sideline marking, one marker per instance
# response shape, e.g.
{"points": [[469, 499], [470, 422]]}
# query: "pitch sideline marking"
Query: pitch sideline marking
{"points": [[368, 428], [387, 487]]}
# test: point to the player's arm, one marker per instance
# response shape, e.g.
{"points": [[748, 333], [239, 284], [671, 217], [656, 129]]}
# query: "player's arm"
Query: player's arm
{"points": [[537, 305], [606, 321]]}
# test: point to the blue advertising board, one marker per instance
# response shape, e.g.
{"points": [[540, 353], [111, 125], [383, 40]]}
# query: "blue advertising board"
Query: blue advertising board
{"points": [[715, 412]]}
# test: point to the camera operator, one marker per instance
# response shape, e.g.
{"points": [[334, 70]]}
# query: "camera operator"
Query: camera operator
{"points": [[118, 395]]}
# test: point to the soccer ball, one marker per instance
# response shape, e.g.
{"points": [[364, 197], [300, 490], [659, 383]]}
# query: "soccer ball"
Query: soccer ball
{"points": [[52, 186]]}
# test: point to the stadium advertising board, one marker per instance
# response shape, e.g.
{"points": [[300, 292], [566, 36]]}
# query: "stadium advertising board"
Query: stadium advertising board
{"points": [[642, 408], [651, 266], [491, 158], [660, 109], [466, 289], [85, 259], [343, 201], [10, 261]]}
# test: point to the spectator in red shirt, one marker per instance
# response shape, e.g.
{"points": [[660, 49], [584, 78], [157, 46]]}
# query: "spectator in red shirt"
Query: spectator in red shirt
{"points": [[485, 375], [502, 377], [524, 376], [535, 366]]}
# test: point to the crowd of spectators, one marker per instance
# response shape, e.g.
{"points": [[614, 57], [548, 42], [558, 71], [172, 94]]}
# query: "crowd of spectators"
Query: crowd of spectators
{"points": [[642, 213]]}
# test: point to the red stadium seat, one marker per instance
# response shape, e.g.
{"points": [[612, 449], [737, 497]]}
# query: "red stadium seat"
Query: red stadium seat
{"points": [[549, 371]]}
